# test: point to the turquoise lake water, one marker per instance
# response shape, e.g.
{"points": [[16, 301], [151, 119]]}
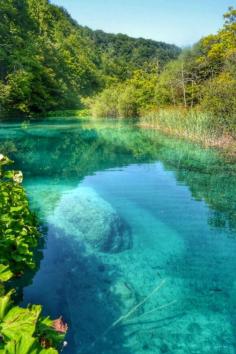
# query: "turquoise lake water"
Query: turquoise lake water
{"points": [[123, 211]]}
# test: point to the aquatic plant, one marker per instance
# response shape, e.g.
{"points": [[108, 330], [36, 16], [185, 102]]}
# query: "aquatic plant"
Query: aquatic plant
{"points": [[194, 125]]}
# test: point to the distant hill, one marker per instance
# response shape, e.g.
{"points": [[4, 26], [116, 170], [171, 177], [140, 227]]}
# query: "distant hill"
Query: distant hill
{"points": [[48, 61], [131, 53]]}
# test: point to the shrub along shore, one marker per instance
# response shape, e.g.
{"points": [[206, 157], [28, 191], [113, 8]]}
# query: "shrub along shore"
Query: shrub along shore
{"points": [[22, 330]]}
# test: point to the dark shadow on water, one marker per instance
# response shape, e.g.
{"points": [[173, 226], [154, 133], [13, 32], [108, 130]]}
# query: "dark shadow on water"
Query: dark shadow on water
{"points": [[77, 286], [27, 278]]}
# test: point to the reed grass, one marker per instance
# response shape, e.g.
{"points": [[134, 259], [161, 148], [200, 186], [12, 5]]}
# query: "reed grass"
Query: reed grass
{"points": [[191, 124]]}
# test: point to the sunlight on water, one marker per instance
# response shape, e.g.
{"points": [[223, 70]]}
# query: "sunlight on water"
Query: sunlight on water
{"points": [[124, 209]]}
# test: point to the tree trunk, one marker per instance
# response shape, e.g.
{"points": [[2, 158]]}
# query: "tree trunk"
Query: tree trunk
{"points": [[183, 86]]}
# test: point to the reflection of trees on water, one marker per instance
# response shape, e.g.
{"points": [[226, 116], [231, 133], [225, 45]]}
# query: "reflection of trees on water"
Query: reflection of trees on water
{"points": [[77, 150], [71, 153]]}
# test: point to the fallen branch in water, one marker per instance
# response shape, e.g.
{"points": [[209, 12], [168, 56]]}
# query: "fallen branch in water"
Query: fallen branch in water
{"points": [[133, 310], [157, 309], [136, 307]]}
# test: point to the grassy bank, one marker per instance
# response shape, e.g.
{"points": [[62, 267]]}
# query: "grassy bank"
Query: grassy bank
{"points": [[193, 125]]}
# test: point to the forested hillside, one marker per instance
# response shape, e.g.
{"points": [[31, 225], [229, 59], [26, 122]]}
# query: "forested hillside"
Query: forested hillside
{"points": [[48, 61], [121, 55], [193, 95]]}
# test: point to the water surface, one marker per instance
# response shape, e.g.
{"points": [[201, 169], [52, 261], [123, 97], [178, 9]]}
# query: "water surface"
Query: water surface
{"points": [[177, 203]]}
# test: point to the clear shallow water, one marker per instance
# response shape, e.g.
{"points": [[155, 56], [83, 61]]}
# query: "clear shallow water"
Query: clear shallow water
{"points": [[177, 203]]}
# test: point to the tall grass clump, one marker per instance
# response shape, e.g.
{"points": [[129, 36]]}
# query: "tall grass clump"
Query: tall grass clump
{"points": [[192, 124]]}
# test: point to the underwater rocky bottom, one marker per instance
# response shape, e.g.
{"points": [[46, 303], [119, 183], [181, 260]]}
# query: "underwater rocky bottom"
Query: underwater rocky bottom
{"points": [[95, 272], [140, 238]]}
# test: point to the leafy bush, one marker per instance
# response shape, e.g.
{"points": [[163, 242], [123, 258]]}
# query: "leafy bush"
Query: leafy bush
{"points": [[129, 99], [18, 225], [220, 100], [22, 330]]}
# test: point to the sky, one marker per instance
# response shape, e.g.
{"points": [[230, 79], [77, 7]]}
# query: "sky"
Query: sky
{"points": [[182, 22]]}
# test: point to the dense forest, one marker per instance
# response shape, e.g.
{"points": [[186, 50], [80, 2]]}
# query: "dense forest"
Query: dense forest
{"points": [[194, 93], [48, 61]]}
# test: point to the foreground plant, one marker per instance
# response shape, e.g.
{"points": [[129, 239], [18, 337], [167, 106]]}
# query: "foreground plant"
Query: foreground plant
{"points": [[22, 330], [18, 226]]}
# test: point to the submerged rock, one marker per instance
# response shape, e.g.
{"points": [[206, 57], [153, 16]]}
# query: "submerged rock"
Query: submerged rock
{"points": [[85, 216]]}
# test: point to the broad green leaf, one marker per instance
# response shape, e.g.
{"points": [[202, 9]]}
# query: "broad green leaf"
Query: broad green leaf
{"points": [[48, 351], [22, 345], [5, 304], [5, 273], [20, 322], [18, 208]]}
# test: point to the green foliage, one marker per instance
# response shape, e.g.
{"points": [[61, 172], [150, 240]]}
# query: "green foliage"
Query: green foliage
{"points": [[121, 55], [23, 330], [5, 273], [19, 234], [219, 98], [129, 99], [205, 76], [192, 124], [48, 62], [202, 81]]}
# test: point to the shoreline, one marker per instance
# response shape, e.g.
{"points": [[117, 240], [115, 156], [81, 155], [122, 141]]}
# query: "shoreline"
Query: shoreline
{"points": [[225, 143]]}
